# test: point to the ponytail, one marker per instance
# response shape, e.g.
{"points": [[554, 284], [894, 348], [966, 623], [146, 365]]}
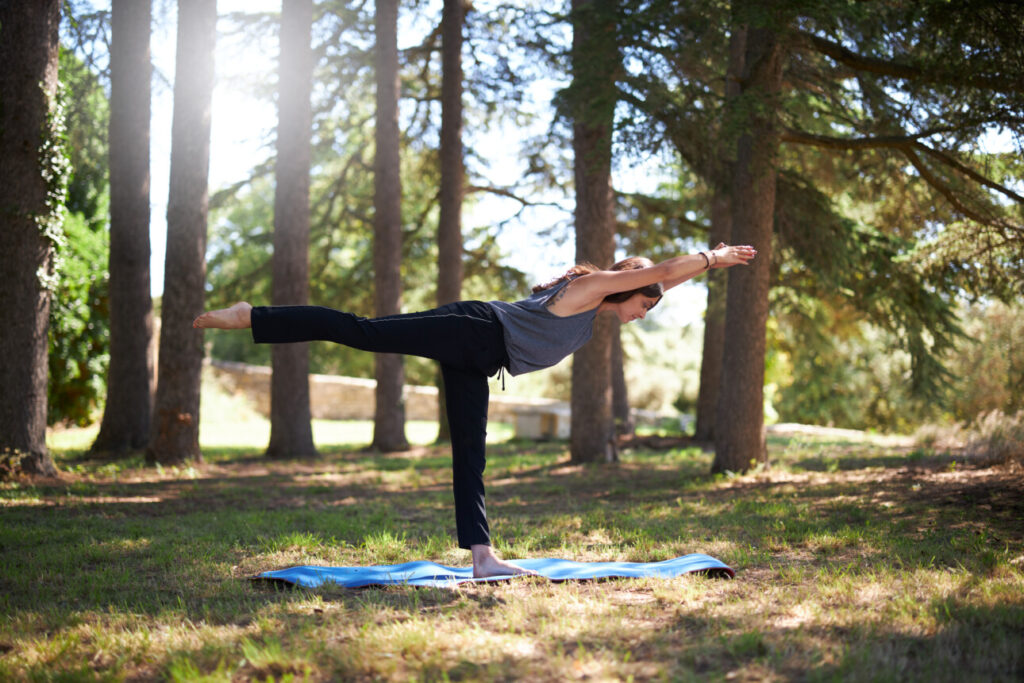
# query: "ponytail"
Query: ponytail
{"points": [[571, 274]]}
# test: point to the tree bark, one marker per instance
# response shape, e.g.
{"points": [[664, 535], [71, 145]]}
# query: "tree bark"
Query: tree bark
{"points": [[714, 324], [175, 439], [127, 413], [739, 433], [32, 177], [291, 432], [624, 422], [449, 229], [721, 231], [389, 421], [595, 60]]}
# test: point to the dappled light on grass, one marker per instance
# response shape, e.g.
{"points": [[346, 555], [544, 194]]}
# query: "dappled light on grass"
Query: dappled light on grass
{"points": [[853, 560]]}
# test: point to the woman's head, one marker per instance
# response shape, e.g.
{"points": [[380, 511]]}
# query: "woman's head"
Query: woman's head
{"points": [[654, 291]]}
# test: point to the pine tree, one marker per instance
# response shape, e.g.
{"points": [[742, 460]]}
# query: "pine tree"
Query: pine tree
{"points": [[33, 182], [592, 95], [127, 412], [291, 432], [175, 437], [389, 420]]}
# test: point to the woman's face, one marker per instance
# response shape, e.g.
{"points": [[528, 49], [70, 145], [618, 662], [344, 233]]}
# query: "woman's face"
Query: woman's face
{"points": [[635, 308]]}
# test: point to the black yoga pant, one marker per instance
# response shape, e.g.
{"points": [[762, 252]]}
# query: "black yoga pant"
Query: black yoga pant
{"points": [[465, 337]]}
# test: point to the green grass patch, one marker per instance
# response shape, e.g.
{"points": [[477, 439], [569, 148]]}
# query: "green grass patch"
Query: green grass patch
{"points": [[855, 561]]}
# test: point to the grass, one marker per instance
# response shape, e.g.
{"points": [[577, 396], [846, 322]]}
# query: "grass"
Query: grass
{"points": [[855, 561]]}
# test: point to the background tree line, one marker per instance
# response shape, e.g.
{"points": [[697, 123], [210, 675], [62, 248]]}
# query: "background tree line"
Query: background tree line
{"points": [[844, 140]]}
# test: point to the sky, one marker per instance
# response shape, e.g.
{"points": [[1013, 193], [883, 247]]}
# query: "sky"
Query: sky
{"points": [[241, 137]]}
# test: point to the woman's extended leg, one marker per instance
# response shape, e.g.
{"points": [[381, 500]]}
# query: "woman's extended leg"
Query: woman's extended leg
{"points": [[466, 395], [465, 334]]}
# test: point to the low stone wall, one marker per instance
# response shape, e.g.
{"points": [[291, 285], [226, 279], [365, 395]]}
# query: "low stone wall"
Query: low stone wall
{"points": [[351, 398]]}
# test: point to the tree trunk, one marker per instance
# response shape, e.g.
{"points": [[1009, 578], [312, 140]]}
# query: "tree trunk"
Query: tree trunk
{"points": [[33, 177], [595, 59], [128, 410], [449, 229], [291, 432], [389, 421], [176, 435], [714, 323], [721, 231], [624, 423], [739, 437]]}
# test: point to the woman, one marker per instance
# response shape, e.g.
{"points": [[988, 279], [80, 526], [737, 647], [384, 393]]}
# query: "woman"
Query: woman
{"points": [[473, 340]]}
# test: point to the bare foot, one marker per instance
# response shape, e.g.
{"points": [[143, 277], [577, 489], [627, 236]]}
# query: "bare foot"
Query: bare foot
{"points": [[233, 318], [486, 563]]}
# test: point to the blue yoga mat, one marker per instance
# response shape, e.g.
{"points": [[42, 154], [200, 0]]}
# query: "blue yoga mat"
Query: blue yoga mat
{"points": [[436, 575]]}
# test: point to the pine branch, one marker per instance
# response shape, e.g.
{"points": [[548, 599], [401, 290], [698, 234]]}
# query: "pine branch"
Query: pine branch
{"points": [[905, 70], [903, 143], [969, 172], [947, 192], [802, 138], [505, 192]]}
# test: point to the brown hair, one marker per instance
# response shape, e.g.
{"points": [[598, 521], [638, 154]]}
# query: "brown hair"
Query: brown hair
{"points": [[654, 291]]}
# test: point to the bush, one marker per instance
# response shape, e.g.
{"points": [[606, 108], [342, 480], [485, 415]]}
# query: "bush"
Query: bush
{"points": [[997, 437], [994, 437]]}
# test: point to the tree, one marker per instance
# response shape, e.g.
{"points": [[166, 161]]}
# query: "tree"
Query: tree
{"points": [[389, 420], [720, 231], [621, 413], [176, 436], [868, 96], [33, 182], [291, 431], [740, 398], [127, 414], [593, 97], [453, 176]]}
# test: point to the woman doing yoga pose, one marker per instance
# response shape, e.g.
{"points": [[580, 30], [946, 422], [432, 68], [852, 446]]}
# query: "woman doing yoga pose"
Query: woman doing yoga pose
{"points": [[473, 340]]}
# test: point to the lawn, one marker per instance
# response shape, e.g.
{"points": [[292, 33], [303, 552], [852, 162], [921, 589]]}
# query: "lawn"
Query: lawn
{"points": [[856, 559]]}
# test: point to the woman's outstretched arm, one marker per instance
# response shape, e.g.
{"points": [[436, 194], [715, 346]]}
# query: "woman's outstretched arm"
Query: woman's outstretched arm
{"points": [[588, 291]]}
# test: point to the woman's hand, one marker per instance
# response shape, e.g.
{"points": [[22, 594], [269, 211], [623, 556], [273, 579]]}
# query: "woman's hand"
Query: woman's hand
{"points": [[724, 256]]}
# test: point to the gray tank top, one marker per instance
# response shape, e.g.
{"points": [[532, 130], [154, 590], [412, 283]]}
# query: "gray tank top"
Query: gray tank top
{"points": [[536, 338]]}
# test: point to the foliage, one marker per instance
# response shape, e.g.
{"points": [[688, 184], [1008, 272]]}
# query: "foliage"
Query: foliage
{"points": [[833, 368], [839, 369], [79, 314], [79, 327], [989, 362], [997, 437], [889, 209], [826, 259]]}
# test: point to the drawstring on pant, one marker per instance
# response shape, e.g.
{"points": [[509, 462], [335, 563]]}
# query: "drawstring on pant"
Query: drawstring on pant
{"points": [[501, 376]]}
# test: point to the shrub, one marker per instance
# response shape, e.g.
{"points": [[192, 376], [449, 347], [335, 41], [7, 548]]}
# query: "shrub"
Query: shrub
{"points": [[997, 437]]}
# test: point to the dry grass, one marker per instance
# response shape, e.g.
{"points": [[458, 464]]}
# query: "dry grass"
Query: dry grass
{"points": [[855, 561]]}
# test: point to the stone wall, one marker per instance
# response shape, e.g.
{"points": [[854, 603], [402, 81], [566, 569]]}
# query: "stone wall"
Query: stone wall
{"points": [[351, 398]]}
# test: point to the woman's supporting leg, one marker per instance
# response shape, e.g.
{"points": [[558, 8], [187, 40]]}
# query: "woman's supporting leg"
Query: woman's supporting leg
{"points": [[466, 397]]}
